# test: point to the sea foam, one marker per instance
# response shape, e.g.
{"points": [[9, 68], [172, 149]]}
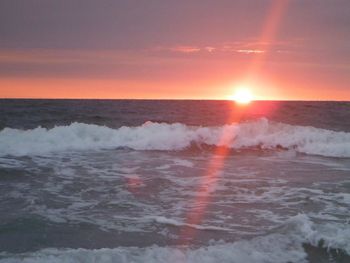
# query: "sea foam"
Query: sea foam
{"points": [[173, 222], [261, 133], [285, 245]]}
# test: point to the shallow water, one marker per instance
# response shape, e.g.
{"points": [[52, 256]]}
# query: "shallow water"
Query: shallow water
{"points": [[190, 185]]}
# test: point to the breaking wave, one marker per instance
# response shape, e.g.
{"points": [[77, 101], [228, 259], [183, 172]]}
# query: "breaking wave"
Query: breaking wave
{"points": [[293, 242], [261, 133]]}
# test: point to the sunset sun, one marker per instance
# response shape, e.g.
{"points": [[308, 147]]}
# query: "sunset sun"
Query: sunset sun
{"points": [[242, 95]]}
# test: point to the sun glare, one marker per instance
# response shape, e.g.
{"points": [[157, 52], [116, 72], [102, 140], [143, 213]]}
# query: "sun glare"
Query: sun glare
{"points": [[243, 96]]}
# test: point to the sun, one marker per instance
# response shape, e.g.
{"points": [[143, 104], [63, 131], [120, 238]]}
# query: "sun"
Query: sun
{"points": [[242, 95]]}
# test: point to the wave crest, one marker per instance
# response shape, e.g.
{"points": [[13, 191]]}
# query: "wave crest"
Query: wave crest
{"points": [[261, 133], [293, 244]]}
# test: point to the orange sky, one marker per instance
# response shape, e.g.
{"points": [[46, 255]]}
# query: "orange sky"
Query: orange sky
{"points": [[207, 54], [114, 89]]}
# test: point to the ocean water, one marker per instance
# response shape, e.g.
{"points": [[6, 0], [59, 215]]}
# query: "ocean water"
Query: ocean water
{"points": [[174, 181]]}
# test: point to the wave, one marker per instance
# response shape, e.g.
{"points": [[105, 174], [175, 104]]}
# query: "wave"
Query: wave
{"points": [[261, 133], [173, 222], [295, 241]]}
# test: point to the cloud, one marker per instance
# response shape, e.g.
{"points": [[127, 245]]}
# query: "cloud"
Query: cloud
{"points": [[210, 49], [250, 51], [234, 48], [185, 49]]}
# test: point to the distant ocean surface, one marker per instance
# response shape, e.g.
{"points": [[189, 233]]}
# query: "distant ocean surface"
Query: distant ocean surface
{"points": [[174, 181]]}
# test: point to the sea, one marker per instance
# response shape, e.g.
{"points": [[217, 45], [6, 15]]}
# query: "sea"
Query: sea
{"points": [[174, 181]]}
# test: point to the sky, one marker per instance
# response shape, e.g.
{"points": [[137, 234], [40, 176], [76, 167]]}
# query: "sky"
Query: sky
{"points": [[183, 49]]}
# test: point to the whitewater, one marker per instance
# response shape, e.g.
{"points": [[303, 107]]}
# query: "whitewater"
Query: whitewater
{"points": [[262, 134], [174, 181]]}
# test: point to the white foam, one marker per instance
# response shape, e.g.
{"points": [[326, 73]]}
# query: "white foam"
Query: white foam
{"points": [[285, 245], [173, 222], [161, 136], [155, 254], [333, 235], [184, 163]]}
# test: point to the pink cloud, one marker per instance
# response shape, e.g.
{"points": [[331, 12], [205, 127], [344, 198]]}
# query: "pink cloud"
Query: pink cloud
{"points": [[185, 49], [250, 51], [210, 49]]}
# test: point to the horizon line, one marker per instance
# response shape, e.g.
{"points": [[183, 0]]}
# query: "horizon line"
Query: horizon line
{"points": [[169, 99]]}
